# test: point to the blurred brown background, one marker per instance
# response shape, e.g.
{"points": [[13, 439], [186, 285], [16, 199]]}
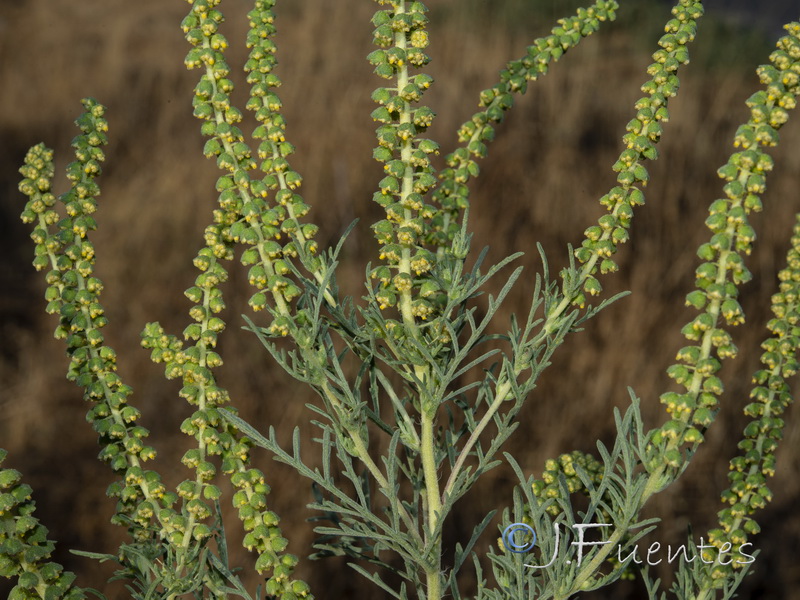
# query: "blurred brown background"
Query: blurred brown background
{"points": [[551, 162]]}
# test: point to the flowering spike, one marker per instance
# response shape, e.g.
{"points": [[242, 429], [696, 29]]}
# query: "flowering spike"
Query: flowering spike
{"points": [[452, 194], [244, 216], [26, 549], [73, 293], [718, 277], [770, 396]]}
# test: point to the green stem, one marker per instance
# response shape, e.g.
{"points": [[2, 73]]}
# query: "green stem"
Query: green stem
{"points": [[593, 565], [406, 189], [503, 389], [434, 505], [362, 452]]}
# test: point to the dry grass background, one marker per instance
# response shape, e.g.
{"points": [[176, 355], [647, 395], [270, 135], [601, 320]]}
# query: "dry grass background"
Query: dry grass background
{"points": [[549, 165]]}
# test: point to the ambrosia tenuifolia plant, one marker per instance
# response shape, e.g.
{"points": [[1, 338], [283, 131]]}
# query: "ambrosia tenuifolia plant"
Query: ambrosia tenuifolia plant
{"points": [[408, 361]]}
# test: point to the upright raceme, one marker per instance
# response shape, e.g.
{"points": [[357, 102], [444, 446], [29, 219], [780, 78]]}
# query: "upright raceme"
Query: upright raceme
{"points": [[410, 222]]}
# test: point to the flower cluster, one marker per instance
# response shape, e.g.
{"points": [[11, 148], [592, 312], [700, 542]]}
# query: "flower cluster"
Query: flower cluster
{"points": [[723, 268], [549, 486], [274, 151], [73, 293], [770, 397], [244, 214], [24, 547], [178, 543], [452, 193], [401, 37], [413, 228], [215, 437], [643, 133]]}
